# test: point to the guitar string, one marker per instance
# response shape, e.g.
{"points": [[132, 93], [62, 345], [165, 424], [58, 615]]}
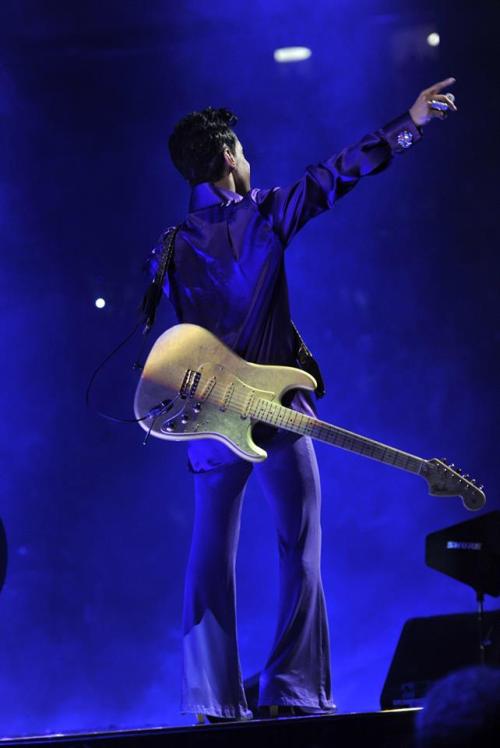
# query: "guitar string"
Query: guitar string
{"points": [[341, 437], [276, 414]]}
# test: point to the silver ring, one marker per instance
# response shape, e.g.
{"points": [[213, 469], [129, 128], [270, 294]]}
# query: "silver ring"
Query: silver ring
{"points": [[441, 106]]}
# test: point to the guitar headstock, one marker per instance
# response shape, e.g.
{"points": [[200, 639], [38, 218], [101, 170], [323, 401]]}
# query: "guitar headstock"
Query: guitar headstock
{"points": [[448, 480]]}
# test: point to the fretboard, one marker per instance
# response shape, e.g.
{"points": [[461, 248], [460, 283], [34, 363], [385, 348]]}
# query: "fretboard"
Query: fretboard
{"points": [[275, 414]]}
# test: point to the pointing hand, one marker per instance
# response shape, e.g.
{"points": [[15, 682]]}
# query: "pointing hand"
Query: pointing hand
{"points": [[432, 103]]}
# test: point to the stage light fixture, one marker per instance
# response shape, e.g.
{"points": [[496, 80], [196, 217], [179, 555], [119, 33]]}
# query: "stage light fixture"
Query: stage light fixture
{"points": [[433, 39], [100, 303], [292, 54]]}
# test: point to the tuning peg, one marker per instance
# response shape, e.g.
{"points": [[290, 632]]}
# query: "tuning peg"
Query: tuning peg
{"points": [[481, 487], [443, 459]]}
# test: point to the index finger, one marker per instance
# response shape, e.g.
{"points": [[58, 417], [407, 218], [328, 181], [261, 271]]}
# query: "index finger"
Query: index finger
{"points": [[439, 86]]}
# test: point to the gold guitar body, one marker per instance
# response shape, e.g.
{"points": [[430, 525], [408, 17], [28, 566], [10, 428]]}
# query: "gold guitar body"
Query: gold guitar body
{"points": [[194, 387]]}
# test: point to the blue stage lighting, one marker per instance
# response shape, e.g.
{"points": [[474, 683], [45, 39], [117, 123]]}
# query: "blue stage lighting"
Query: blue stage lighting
{"points": [[100, 303]]}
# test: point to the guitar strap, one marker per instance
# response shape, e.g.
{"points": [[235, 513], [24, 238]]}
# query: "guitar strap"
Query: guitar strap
{"points": [[153, 296], [308, 362]]}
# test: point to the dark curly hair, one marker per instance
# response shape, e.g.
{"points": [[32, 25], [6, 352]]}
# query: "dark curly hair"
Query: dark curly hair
{"points": [[197, 144]]}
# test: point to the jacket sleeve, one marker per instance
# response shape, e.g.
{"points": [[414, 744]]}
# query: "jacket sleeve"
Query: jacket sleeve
{"points": [[289, 208]]}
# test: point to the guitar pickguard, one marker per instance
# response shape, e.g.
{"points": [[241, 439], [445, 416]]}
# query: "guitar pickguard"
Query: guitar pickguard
{"points": [[211, 402]]}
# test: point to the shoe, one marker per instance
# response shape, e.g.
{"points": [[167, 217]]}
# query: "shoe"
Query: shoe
{"points": [[281, 710], [202, 719]]}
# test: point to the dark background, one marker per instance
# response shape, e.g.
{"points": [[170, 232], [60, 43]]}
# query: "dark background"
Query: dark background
{"points": [[395, 291]]}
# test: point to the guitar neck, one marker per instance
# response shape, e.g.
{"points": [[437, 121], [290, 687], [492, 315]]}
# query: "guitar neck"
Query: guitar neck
{"points": [[278, 415]]}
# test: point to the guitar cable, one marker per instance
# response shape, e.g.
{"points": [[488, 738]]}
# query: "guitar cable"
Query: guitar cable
{"points": [[136, 365], [149, 305]]}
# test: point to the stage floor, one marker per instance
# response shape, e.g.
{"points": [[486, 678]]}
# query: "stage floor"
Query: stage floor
{"points": [[385, 729]]}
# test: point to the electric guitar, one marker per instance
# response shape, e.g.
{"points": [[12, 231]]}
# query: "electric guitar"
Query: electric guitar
{"points": [[194, 387]]}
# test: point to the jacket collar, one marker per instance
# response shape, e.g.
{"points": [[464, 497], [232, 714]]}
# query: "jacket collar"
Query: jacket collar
{"points": [[206, 194]]}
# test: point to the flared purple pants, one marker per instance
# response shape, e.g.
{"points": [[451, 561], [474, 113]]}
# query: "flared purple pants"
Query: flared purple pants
{"points": [[297, 671]]}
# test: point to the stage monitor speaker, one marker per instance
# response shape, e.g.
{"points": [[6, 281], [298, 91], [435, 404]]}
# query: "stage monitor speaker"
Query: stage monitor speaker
{"points": [[469, 552], [430, 648]]}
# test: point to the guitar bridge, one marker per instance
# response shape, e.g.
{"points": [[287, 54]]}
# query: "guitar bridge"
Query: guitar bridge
{"points": [[189, 384]]}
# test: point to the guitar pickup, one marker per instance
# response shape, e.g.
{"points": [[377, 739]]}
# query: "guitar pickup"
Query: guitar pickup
{"points": [[189, 384], [208, 389], [227, 397]]}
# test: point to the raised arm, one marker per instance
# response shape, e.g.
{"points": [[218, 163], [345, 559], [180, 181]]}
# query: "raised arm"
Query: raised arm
{"points": [[289, 208]]}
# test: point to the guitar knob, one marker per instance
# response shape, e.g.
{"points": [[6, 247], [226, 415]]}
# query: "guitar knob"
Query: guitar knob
{"points": [[196, 407], [184, 419], [169, 426]]}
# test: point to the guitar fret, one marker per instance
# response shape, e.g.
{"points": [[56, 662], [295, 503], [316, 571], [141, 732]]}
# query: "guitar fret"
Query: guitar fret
{"points": [[276, 414]]}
